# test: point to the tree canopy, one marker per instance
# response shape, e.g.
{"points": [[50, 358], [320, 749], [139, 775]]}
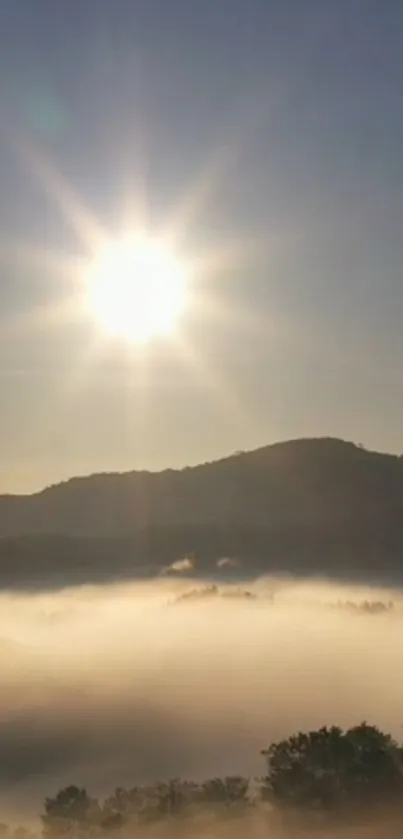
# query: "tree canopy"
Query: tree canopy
{"points": [[327, 771], [332, 769]]}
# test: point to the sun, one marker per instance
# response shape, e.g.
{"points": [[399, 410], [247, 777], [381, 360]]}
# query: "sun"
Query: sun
{"points": [[137, 289]]}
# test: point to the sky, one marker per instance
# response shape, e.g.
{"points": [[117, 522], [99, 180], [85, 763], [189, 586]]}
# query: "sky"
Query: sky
{"points": [[270, 135]]}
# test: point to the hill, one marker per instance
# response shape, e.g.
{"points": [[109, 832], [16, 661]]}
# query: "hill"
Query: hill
{"points": [[315, 505]]}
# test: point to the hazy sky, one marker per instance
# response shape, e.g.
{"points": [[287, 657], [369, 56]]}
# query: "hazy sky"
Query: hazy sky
{"points": [[291, 113]]}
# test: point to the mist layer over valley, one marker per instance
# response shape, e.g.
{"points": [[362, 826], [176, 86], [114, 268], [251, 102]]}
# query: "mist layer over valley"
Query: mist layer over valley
{"points": [[124, 684]]}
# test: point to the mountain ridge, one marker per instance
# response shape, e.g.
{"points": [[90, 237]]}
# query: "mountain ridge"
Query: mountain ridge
{"points": [[316, 505], [312, 478], [240, 454]]}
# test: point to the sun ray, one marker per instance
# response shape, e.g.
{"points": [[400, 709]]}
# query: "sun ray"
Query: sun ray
{"points": [[83, 223], [106, 307], [234, 136], [135, 208], [53, 314], [17, 251], [207, 376]]}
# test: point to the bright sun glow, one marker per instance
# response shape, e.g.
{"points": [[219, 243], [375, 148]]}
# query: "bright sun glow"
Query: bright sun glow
{"points": [[137, 289]]}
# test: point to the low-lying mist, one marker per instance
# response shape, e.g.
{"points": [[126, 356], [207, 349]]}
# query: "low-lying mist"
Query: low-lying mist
{"points": [[131, 683]]}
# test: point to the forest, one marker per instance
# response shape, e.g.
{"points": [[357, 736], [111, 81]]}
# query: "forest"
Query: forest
{"points": [[317, 780]]}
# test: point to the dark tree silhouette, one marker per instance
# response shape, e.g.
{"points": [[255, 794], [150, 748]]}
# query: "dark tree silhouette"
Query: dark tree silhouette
{"points": [[71, 813], [121, 808], [228, 791], [321, 773], [332, 769], [126, 808]]}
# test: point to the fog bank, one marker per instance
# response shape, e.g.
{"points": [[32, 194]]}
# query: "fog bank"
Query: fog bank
{"points": [[130, 683]]}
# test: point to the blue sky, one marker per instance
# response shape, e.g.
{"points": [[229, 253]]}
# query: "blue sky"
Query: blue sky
{"points": [[301, 102]]}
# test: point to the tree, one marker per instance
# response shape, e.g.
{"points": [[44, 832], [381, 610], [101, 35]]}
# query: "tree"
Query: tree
{"points": [[330, 769], [71, 813], [145, 804], [169, 798], [229, 791], [122, 808]]}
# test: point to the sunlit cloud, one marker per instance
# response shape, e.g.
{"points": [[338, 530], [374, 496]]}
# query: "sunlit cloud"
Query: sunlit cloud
{"points": [[228, 562], [181, 565]]}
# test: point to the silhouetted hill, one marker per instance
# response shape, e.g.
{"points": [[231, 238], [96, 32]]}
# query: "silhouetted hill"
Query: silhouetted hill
{"points": [[318, 506]]}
